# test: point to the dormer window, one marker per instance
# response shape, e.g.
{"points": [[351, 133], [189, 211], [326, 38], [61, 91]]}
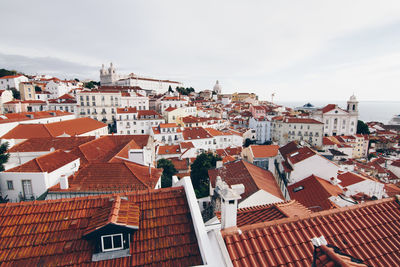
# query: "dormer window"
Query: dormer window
{"points": [[111, 242]]}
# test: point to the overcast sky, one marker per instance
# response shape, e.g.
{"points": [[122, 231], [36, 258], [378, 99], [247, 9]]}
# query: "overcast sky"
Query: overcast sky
{"points": [[301, 50]]}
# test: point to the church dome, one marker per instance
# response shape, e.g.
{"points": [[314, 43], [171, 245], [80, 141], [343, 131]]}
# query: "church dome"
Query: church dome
{"points": [[217, 87], [353, 98]]}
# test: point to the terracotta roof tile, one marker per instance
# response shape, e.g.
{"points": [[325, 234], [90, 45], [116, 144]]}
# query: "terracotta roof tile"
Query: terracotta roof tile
{"points": [[251, 176], [71, 127], [46, 163], [350, 178], [192, 133], [47, 143], [112, 177], [300, 155], [165, 150], [314, 192], [366, 231], [264, 151], [50, 233], [269, 212]]}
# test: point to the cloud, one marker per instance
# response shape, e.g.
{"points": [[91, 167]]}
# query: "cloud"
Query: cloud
{"points": [[47, 65], [261, 46]]}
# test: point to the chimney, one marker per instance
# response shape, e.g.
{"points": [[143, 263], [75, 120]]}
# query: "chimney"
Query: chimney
{"points": [[219, 164], [149, 170], [229, 202], [64, 182]]}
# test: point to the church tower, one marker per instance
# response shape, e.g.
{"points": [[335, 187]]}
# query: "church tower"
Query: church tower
{"points": [[108, 76], [352, 105]]}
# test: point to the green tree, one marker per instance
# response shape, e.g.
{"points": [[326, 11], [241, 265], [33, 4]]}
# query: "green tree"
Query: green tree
{"points": [[4, 72], [199, 173], [90, 85], [16, 93], [38, 88], [248, 142], [3, 155], [168, 171], [184, 91], [362, 128]]}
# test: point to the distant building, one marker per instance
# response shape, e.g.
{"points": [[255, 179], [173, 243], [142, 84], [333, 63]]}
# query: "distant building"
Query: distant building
{"points": [[217, 88], [110, 77], [338, 121], [12, 81]]}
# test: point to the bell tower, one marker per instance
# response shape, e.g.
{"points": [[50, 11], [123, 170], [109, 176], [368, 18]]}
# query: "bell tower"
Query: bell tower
{"points": [[352, 105]]}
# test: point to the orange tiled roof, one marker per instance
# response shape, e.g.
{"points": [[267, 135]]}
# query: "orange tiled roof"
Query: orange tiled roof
{"points": [[126, 110], [300, 155], [165, 150], [23, 116], [251, 176], [112, 177], [350, 178], [268, 212], [54, 229], [46, 163], [47, 143], [193, 133], [168, 125], [106, 148], [314, 193], [264, 151], [54, 129], [366, 231]]}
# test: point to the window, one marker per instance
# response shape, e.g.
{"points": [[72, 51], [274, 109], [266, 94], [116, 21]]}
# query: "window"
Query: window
{"points": [[27, 188], [111, 242], [10, 185]]}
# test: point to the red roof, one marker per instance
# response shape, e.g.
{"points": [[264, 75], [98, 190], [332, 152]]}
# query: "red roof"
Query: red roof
{"points": [[126, 110], [264, 151], [112, 177], [313, 192], [168, 125], [11, 76], [396, 163], [54, 129], [350, 178], [328, 108], [169, 109], [367, 231], [23, 116], [186, 145], [105, 148], [251, 176], [118, 212], [165, 150], [47, 143], [193, 133], [269, 212], [300, 155], [54, 230], [46, 163], [302, 120]]}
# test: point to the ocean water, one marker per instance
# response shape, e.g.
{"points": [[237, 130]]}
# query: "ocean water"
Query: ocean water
{"points": [[381, 111]]}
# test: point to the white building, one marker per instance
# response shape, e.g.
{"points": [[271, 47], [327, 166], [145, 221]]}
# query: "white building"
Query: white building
{"points": [[262, 127], [167, 133], [12, 81], [110, 77], [5, 96], [31, 179], [170, 101], [64, 103], [58, 87], [338, 121], [133, 121], [99, 105], [132, 99], [287, 129]]}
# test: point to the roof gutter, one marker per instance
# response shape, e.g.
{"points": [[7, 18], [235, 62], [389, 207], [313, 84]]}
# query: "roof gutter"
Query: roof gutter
{"points": [[207, 243]]}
